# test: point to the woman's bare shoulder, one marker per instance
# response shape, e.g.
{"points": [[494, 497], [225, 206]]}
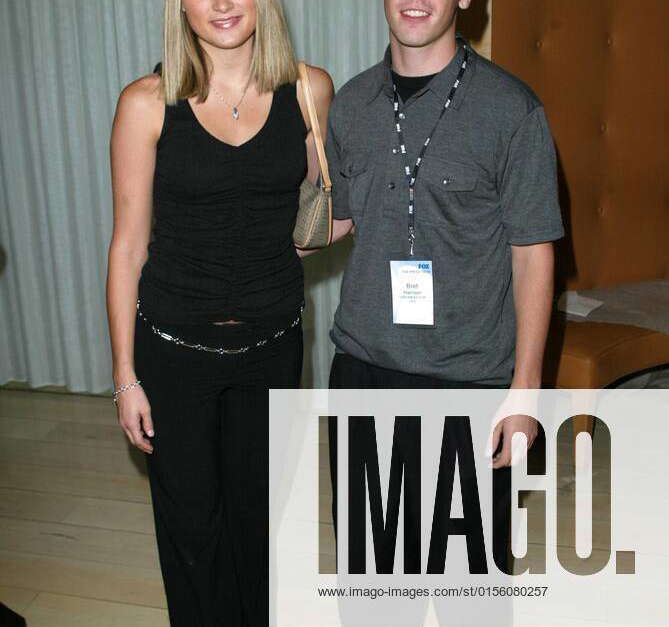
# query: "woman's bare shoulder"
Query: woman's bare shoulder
{"points": [[141, 106], [144, 92], [321, 82], [322, 90]]}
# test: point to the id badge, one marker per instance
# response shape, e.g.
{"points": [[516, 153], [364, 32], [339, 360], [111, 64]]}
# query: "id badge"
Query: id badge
{"points": [[413, 296]]}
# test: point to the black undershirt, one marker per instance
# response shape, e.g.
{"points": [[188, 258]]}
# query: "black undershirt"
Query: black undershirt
{"points": [[407, 86]]}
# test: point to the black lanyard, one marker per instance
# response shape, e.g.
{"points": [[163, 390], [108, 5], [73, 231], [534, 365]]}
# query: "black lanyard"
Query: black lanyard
{"points": [[412, 176]]}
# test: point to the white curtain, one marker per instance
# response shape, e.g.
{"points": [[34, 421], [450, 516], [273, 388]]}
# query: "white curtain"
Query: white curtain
{"points": [[62, 66]]}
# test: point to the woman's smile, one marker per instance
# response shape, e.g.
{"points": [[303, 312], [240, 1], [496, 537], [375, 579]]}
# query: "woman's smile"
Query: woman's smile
{"points": [[226, 22]]}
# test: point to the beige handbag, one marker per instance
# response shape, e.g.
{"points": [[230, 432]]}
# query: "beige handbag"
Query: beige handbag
{"points": [[313, 228]]}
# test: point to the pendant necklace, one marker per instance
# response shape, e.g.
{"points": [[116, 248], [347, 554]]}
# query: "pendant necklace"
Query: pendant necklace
{"points": [[235, 108]]}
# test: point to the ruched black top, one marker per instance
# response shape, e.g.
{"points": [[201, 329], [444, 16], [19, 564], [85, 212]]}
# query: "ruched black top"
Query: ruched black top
{"points": [[221, 245]]}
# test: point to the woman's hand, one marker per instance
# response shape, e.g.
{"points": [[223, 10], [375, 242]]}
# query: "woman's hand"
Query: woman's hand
{"points": [[340, 229], [134, 416]]}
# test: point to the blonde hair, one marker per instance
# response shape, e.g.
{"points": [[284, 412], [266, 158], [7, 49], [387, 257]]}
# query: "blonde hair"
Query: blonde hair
{"points": [[186, 68]]}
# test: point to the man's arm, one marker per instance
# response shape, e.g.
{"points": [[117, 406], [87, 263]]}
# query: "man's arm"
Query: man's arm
{"points": [[533, 297], [532, 220], [531, 216], [532, 268]]}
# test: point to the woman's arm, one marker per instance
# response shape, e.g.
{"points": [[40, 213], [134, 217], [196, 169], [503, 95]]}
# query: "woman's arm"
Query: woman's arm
{"points": [[323, 92], [137, 126]]}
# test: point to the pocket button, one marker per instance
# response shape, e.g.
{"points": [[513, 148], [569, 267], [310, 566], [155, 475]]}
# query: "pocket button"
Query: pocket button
{"points": [[355, 164]]}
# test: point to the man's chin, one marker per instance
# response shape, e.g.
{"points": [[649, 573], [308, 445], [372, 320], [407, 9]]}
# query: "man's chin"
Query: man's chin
{"points": [[415, 42]]}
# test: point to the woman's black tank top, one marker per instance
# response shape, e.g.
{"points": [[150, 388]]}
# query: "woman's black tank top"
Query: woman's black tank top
{"points": [[221, 245]]}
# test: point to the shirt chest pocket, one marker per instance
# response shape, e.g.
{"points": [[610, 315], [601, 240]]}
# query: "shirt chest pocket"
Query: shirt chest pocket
{"points": [[356, 170], [445, 191]]}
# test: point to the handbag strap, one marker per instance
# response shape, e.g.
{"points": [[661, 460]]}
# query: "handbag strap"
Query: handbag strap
{"points": [[315, 127]]}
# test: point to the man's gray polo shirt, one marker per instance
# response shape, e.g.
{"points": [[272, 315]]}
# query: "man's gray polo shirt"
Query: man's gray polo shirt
{"points": [[488, 181]]}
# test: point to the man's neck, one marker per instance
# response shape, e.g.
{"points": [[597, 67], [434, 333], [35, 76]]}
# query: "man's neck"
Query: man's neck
{"points": [[424, 60]]}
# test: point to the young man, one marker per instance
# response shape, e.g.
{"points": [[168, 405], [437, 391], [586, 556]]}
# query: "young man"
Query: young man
{"points": [[445, 165]]}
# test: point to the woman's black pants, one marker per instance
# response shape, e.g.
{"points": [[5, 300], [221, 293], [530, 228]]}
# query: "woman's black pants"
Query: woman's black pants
{"points": [[209, 469]]}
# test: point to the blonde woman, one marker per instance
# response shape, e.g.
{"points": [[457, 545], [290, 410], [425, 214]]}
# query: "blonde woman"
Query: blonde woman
{"points": [[205, 289]]}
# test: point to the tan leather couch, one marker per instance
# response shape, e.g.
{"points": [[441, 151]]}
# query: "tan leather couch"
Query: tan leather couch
{"points": [[600, 67]]}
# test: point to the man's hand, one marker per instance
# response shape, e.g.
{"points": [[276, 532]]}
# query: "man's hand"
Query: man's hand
{"points": [[515, 414], [505, 429]]}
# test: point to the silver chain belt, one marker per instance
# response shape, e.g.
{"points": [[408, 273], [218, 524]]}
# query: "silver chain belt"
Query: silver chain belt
{"points": [[221, 350]]}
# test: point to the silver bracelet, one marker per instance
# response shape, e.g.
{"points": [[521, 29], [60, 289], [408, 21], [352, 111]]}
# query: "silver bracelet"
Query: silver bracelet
{"points": [[123, 388]]}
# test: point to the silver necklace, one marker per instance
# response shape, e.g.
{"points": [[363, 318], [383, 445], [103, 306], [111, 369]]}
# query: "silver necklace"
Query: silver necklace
{"points": [[235, 108]]}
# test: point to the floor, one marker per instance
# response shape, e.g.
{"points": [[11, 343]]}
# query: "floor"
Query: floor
{"points": [[77, 547], [76, 530]]}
